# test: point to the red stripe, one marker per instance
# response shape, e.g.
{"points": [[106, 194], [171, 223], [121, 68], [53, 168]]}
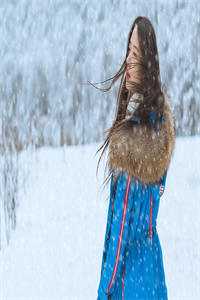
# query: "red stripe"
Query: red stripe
{"points": [[112, 206], [150, 223], [120, 235], [123, 283]]}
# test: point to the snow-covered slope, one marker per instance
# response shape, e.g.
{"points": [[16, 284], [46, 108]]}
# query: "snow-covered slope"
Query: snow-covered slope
{"points": [[55, 252]]}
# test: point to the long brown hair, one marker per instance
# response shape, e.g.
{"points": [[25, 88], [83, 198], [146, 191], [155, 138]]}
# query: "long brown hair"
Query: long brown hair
{"points": [[149, 85]]}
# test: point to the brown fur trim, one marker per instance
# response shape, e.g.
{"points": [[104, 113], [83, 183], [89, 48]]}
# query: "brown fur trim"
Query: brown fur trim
{"points": [[141, 151]]}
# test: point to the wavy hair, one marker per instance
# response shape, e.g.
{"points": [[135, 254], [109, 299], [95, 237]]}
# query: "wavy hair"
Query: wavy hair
{"points": [[149, 85]]}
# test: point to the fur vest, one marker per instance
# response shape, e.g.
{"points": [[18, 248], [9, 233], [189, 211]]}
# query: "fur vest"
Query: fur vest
{"points": [[142, 151]]}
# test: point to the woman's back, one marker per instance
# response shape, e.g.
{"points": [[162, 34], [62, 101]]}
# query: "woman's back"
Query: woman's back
{"points": [[144, 269], [141, 141], [132, 264]]}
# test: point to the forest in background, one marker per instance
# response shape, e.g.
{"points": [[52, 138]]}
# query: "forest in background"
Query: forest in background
{"points": [[49, 49]]}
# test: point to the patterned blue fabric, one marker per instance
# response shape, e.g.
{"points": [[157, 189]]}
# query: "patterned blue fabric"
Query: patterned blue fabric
{"points": [[132, 267], [152, 118]]}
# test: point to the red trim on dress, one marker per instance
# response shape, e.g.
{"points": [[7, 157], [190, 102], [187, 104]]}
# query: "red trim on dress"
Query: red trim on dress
{"points": [[123, 283], [150, 217], [120, 235]]}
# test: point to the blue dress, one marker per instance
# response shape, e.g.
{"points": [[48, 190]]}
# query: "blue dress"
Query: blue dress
{"points": [[132, 262]]}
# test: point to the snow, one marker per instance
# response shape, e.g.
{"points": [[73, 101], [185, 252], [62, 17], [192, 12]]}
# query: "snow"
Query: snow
{"points": [[56, 250], [49, 49]]}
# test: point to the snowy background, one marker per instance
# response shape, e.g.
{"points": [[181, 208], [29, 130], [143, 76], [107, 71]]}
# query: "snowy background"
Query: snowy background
{"points": [[55, 252], [52, 209], [50, 48]]}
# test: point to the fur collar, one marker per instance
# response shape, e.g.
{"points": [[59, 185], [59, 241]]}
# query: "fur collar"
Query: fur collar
{"points": [[141, 151]]}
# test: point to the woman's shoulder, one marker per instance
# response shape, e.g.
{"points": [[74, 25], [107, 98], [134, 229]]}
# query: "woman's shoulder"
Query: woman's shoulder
{"points": [[142, 152]]}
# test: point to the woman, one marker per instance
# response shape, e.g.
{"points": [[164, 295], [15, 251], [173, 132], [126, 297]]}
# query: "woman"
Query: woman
{"points": [[141, 142]]}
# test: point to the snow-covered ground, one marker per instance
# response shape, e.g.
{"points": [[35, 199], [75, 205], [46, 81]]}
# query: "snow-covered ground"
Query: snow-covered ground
{"points": [[55, 252]]}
